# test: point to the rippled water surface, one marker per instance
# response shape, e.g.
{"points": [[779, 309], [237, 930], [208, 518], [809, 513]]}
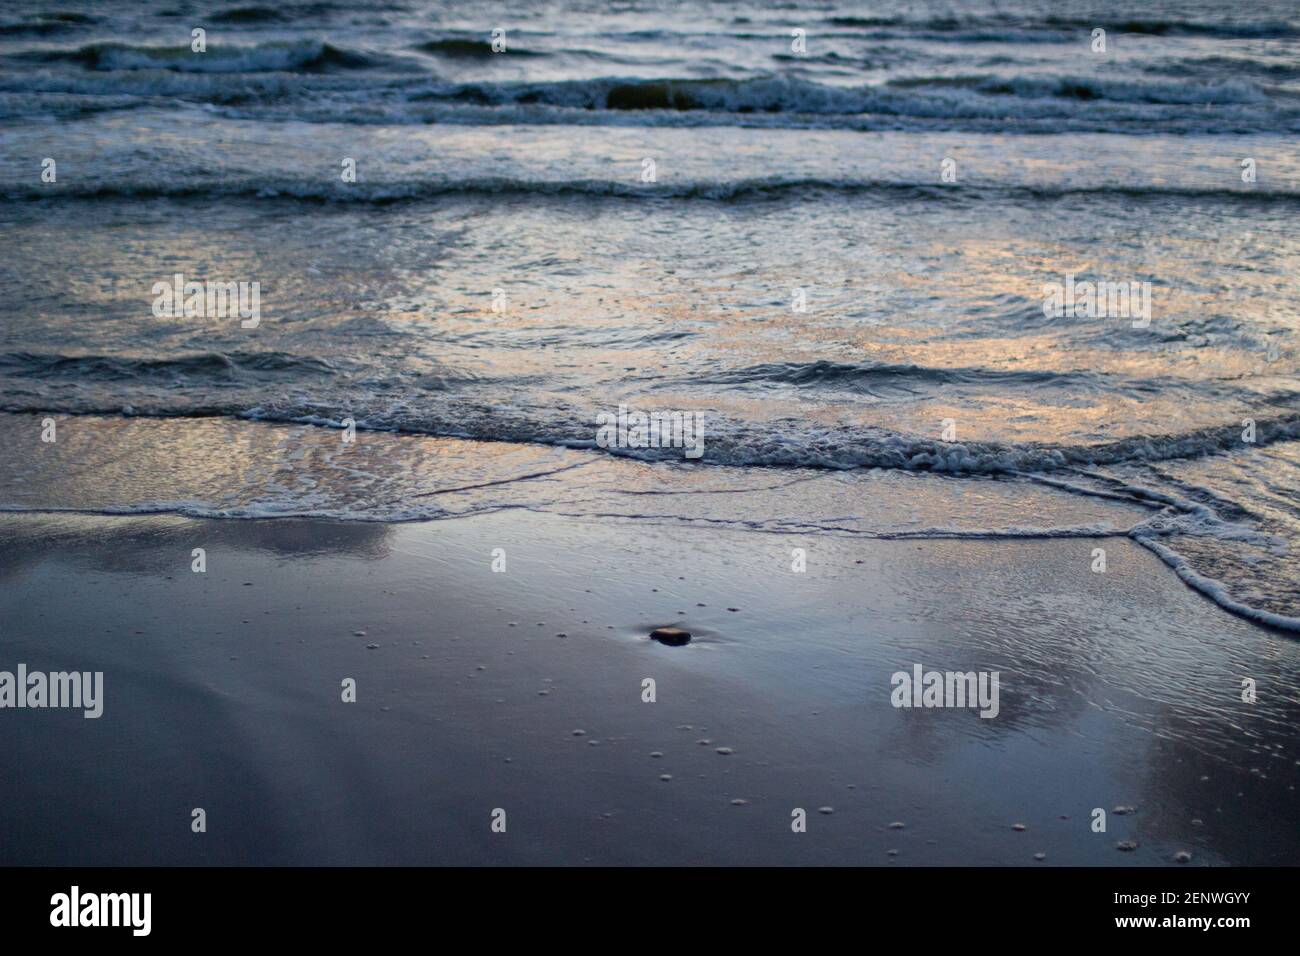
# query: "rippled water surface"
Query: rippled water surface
{"points": [[501, 270]]}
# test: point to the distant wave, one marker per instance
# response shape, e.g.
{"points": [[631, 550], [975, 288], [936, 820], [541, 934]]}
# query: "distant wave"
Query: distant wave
{"points": [[46, 24], [868, 376], [1229, 29], [1269, 68], [250, 14], [408, 190], [313, 81], [784, 95], [284, 13], [469, 47], [1011, 28], [206, 367], [771, 94], [1093, 88], [297, 56]]}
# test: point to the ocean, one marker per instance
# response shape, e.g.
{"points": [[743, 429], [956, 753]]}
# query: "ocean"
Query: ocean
{"points": [[832, 231]]}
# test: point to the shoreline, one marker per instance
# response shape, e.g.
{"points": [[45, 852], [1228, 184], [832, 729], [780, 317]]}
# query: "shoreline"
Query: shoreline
{"points": [[222, 692], [243, 469]]}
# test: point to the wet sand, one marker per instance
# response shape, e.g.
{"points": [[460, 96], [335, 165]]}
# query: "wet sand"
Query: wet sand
{"points": [[223, 691]]}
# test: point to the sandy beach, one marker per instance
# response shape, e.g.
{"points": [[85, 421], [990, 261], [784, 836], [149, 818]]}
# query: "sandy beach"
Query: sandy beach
{"points": [[379, 381], [522, 690]]}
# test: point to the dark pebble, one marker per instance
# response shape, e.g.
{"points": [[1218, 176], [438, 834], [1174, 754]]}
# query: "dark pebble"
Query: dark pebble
{"points": [[672, 636]]}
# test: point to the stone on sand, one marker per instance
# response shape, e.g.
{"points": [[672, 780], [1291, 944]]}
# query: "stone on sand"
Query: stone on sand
{"points": [[672, 636]]}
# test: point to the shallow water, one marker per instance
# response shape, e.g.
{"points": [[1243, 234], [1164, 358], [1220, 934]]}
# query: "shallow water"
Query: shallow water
{"points": [[775, 172]]}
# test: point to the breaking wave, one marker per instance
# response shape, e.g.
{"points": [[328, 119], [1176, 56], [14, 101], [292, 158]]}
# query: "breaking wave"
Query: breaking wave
{"points": [[298, 56]]}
